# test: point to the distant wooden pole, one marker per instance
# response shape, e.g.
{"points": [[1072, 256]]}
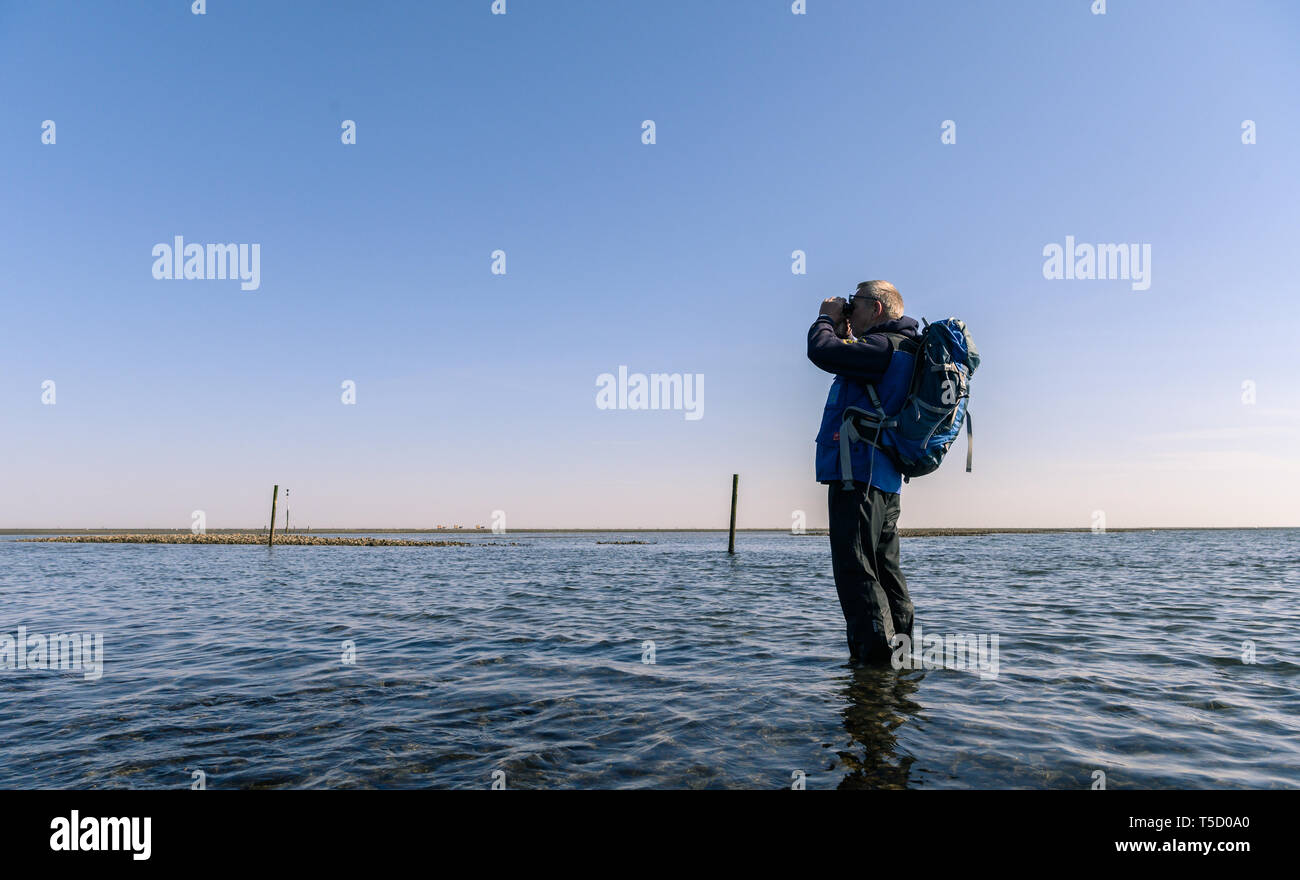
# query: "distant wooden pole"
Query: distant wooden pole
{"points": [[270, 536], [731, 538]]}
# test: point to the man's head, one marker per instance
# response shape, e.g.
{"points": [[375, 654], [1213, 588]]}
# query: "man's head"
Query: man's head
{"points": [[874, 302]]}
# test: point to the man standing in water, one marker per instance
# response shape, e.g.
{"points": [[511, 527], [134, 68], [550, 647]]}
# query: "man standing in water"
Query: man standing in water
{"points": [[872, 371]]}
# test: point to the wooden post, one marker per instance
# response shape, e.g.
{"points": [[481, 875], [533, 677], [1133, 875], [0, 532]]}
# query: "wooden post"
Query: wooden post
{"points": [[731, 538], [270, 536]]}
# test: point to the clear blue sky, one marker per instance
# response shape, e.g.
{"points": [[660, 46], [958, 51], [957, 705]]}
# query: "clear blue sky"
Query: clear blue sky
{"points": [[522, 132]]}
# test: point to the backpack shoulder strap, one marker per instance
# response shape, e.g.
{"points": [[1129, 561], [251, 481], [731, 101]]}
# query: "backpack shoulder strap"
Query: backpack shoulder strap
{"points": [[900, 342]]}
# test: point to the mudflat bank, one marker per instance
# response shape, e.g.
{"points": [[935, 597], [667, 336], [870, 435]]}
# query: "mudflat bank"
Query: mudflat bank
{"points": [[247, 538]]}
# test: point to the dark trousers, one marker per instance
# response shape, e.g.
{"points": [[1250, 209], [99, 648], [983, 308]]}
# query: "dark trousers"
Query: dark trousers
{"points": [[864, 556]]}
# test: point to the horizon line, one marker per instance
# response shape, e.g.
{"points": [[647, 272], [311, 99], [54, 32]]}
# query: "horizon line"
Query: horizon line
{"points": [[145, 530]]}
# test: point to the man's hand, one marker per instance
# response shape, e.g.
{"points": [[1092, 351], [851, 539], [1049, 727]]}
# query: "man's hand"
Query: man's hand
{"points": [[834, 309]]}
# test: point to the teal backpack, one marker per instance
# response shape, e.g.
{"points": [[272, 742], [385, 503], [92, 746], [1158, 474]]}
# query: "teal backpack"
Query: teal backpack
{"points": [[935, 408], [918, 438]]}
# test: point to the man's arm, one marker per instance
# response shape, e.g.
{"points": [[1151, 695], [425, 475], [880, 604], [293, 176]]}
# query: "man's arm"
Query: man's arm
{"points": [[864, 359]]}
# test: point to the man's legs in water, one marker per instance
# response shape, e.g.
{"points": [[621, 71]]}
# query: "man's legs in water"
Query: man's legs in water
{"points": [[864, 557], [888, 568]]}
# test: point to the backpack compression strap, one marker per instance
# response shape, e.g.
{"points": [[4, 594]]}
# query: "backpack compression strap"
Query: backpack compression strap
{"points": [[970, 441], [849, 434]]}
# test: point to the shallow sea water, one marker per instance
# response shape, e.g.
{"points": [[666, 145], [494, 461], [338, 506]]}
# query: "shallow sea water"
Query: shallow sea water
{"points": [[1123, 653]]}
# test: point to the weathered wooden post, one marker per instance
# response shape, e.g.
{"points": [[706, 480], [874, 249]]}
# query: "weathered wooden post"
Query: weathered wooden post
{"points": [[270, 536], [731, 538]]}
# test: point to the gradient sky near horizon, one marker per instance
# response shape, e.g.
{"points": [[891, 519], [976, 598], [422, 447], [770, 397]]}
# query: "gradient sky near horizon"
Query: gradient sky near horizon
{"points": [[775, 132]]}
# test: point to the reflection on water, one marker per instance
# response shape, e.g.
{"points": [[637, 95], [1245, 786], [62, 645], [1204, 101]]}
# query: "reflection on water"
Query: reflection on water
{"points": [[877, 702], [1121, 653]]}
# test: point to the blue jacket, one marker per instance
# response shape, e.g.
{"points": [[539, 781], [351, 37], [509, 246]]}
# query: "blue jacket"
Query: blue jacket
{"points": [[871, 360]]}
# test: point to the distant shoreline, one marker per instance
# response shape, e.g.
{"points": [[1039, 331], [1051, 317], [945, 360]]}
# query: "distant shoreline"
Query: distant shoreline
{"points": [[248, 538], [316, 533]]}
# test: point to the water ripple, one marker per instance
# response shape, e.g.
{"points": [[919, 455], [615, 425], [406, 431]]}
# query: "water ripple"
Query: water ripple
{"points": [[1125, 653]]}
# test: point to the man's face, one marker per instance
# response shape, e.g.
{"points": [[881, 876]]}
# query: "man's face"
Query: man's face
{"points": [[863, 313]]}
